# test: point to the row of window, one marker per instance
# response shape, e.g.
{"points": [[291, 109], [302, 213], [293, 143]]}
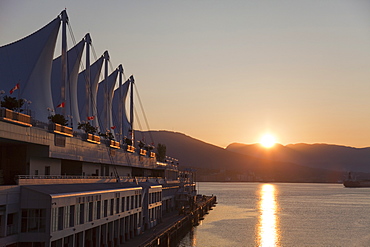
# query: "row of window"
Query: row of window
{"points": [[155, 213], [33, 220], [155, 197], [64, 217]]}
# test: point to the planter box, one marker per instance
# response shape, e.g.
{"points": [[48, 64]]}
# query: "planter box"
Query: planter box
{"points": [[93, 138], [130, 149], [15, 117], [114, 144], [143, 152], [62, 130]]}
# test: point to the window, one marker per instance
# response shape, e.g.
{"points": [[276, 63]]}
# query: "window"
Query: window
{"points": [[60, 218], [33, 220], [11, 226], [91, 211], [136, 201], [140, 200], [111, 206], [98, 209], [47, 170], [71, 215], [127, 203], [123, 204], [132, 202], [105, 208], [82, 214], [117, 205]]}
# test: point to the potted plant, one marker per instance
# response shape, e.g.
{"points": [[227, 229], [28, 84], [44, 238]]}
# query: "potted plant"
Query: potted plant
{"points": [[58, 119], [58, 125], [11, 104], [90, 132]]}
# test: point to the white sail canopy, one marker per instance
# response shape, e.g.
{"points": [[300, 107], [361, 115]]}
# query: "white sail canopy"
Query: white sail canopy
{"points": [[71, 105], [28, 62], [95, 70], [104, 102], [119, 110]]}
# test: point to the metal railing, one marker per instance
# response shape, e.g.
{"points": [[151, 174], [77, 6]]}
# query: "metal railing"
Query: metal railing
{"points": [[122, 178], [62, 177]]}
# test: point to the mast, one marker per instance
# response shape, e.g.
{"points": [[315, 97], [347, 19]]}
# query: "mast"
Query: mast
{"points": [[132, 80], [64, 60], [106, 57], [88, 75], [120, 105]]}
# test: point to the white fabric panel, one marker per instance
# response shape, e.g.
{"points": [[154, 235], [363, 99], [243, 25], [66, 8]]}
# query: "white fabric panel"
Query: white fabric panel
{"points": [[119, 110], [105, 103], [73, 64], [28, 62], [95, 70]]}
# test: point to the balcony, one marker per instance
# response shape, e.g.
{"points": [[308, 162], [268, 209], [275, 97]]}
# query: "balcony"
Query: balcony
{"points": [[114, 144], [93, 138], [62, 130], [15, 117]]}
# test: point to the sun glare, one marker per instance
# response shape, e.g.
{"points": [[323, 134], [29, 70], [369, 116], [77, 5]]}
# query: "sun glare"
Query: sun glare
{"points": [[267, 141]]}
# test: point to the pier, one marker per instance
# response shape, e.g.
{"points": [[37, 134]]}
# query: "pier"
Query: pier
{"points": [[174, 226]]}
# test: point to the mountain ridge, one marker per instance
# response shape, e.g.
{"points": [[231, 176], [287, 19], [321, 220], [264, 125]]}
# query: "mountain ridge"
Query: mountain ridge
{"points": [[319, 155], [215, 163]]}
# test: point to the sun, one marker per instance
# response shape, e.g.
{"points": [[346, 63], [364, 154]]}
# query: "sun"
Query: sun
{"points": [[267, 140]]}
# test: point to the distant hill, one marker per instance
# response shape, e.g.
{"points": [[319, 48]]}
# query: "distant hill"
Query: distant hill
{"points": [[218, 164], [323, 156]]}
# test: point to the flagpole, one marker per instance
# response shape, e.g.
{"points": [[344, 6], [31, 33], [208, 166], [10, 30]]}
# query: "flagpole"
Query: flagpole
{"points": [[19, 95], [132, 80]]}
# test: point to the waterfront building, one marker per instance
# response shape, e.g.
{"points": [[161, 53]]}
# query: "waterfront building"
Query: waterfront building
{"points": [[65, 185]]}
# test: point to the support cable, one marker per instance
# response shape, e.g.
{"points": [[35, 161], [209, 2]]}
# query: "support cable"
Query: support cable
{"points": [[145, 118]]}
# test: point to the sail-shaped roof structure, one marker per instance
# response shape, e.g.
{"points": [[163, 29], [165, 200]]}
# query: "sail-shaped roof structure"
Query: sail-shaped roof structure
{"points": [[119, 110], [71, 103], [28, 63], [104, 102], [84, 100]]}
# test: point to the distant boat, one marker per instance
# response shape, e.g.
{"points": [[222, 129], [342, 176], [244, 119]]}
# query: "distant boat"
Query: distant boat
{"points": [[354, 183]]}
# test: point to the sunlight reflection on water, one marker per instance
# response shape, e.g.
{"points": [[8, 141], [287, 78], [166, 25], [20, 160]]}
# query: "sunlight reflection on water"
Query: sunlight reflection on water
{"points": [[268, 225]]}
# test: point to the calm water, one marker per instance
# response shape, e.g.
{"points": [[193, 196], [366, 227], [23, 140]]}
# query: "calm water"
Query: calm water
{"points": [[257, 214]]}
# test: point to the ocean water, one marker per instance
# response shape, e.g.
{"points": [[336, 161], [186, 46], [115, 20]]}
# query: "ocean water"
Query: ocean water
{"points": [[283, 214]]}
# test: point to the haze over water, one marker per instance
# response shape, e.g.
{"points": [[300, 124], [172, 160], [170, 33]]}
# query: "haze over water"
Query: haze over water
{"points": [[257, 214]]}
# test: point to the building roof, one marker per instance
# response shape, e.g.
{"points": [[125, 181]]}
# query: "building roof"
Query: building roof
{"points": [[63, 190]]}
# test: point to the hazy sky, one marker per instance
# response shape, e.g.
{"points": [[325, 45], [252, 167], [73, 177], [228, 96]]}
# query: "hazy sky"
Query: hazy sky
{"points": [[229, 71]]}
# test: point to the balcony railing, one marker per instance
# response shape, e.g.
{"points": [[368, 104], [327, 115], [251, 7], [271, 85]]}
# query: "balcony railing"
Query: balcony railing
{"points": [[93, 138], [15, 117], [68, 179], [62, 130]]}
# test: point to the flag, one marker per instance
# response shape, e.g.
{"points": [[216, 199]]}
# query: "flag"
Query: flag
{"points": [[61, 105], [113, 127], [14, 88], [91, 118]]}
